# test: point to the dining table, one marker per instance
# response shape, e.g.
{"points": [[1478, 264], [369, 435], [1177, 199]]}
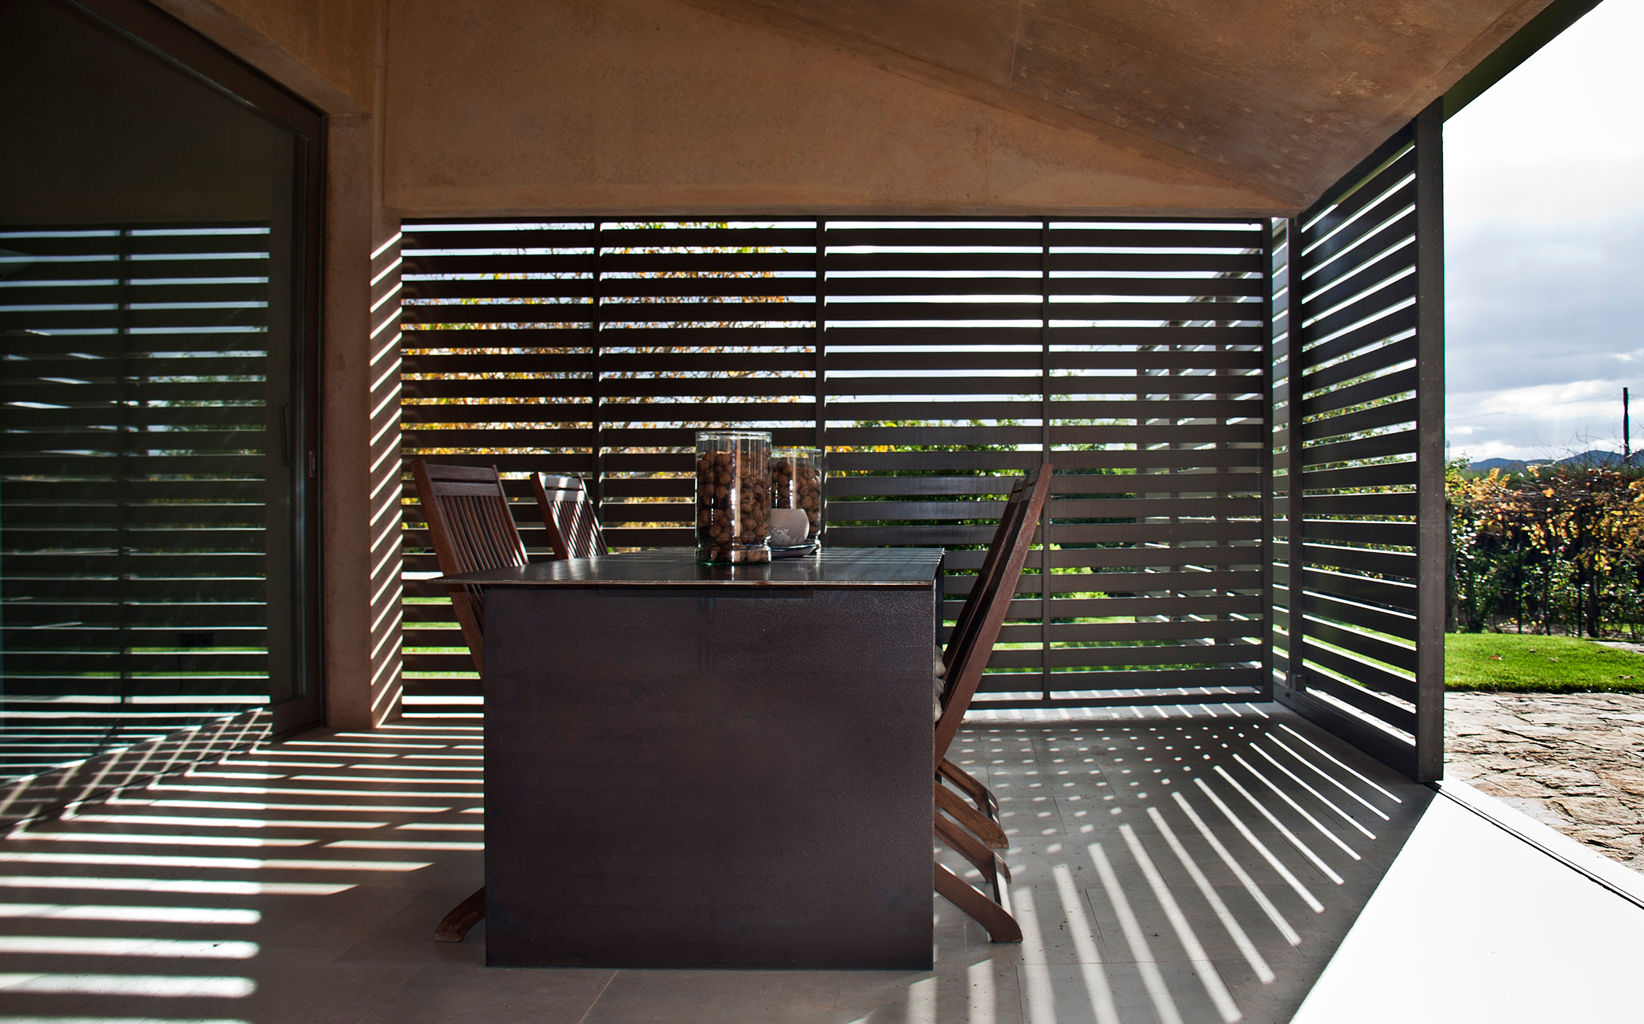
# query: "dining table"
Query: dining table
{"points": [[703, 765]]}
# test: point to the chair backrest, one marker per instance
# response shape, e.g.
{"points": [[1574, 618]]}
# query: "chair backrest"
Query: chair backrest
{"points": [[472, 530], [980, 619], [573, 526]]}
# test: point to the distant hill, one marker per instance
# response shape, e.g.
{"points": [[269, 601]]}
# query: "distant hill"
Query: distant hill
{"points": [[1590, 457]]}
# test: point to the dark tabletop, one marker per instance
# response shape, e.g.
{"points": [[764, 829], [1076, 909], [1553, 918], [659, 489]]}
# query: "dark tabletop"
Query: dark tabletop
{"points": [[678, 567]]}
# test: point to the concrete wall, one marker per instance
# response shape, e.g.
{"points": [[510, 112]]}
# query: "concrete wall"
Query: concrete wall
{"points": [[327, 51], [331, 54], [652, 106]]}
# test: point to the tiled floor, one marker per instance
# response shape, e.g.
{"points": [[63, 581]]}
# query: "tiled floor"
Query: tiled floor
{"points": [[1194, 868]]}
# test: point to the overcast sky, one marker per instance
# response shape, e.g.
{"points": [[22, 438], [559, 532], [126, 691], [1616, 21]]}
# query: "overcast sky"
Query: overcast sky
{"points": [[1544, 248]]}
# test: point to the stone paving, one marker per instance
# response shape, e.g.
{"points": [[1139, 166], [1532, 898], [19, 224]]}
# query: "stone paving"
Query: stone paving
{"points": [[1574, 762]]}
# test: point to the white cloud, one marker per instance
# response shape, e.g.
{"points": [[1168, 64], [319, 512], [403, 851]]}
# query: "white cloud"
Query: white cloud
{"points": [[1544, 222], [1538, 421], [1575, 399]]}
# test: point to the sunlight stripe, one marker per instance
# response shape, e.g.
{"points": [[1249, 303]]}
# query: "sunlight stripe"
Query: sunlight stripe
{"points": [[1287, 798], [1230, 923], [1152, 980], [160, 985], [153, 915], [1079, 929], [173, 885], [1294, 840], [1320, 797], [1214, 987], [207, 863], [182, 949], [1261, 848]]}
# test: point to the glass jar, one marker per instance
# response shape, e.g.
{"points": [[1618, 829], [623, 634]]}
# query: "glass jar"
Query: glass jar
{"points": [[796, 486], [733, 496]]}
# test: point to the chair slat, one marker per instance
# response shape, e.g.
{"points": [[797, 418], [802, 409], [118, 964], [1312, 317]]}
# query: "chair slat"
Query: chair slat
{"points": [[568, 513]]}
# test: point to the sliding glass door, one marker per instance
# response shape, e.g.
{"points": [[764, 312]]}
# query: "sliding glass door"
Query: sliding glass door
{"points": [[157, 330]]}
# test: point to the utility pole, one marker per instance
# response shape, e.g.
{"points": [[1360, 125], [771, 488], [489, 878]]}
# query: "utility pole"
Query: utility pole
{"points": [[1626, 432]]}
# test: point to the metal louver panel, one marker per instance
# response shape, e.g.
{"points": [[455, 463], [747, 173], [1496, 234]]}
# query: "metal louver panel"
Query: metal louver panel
{"points": [[1358, 437], [936, 360]]}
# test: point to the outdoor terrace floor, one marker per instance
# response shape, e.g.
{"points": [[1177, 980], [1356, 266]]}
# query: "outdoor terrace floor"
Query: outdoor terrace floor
{"points": [[1234, 863]]}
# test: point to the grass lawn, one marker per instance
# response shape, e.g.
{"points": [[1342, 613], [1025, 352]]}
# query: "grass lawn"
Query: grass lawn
{"points": [[1537, 664]]}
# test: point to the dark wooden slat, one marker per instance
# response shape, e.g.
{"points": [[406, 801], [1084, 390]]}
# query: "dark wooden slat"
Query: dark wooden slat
{"points": [[1370, 360], [1162, 408], [1121, 632], [1394, 237], [1364, 645], [1174, 695], [1394, 324], [1361, 589], [677, 236], [1144, 460], [1361, 532], [1324, 607], [1359, 560], [1395, 413], [709, 262], [1175, 656], [1137, 508], [1330, 213], [1156, 582], [1373, 305], [1103, 607], [512, 239], [1161, 357], [1214, 679], [1241, 237], [1061, 261], [1378, 506], [1355, 280], [1377, 681], [1379, 446], [1068, 556], [1394, 382], [1390, 747]]}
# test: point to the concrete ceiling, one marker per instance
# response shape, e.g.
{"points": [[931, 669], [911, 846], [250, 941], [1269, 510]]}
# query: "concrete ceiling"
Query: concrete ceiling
{"points": [[1278, 97]]}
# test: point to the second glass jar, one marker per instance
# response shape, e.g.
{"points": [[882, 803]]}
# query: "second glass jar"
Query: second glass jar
{"points": [[796, 486], [733, 496]]}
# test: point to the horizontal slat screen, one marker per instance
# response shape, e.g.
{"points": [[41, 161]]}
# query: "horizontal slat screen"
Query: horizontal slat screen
{"points": [[1346, 438], [935, 360], [133, 521]]}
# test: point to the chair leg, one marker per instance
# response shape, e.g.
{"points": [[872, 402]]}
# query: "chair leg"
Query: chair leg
{"points": [[990, 914], [971, 785], [465, 915], [971, 848], [979, 823]]}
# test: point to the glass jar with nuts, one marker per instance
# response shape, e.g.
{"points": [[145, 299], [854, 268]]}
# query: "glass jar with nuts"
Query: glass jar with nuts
{"points": [[796, 499], [733, 496]]}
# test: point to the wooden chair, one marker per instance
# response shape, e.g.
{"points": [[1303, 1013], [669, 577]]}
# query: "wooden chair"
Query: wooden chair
{"points": [[472, 529], [966, 821], [573, 526]]}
